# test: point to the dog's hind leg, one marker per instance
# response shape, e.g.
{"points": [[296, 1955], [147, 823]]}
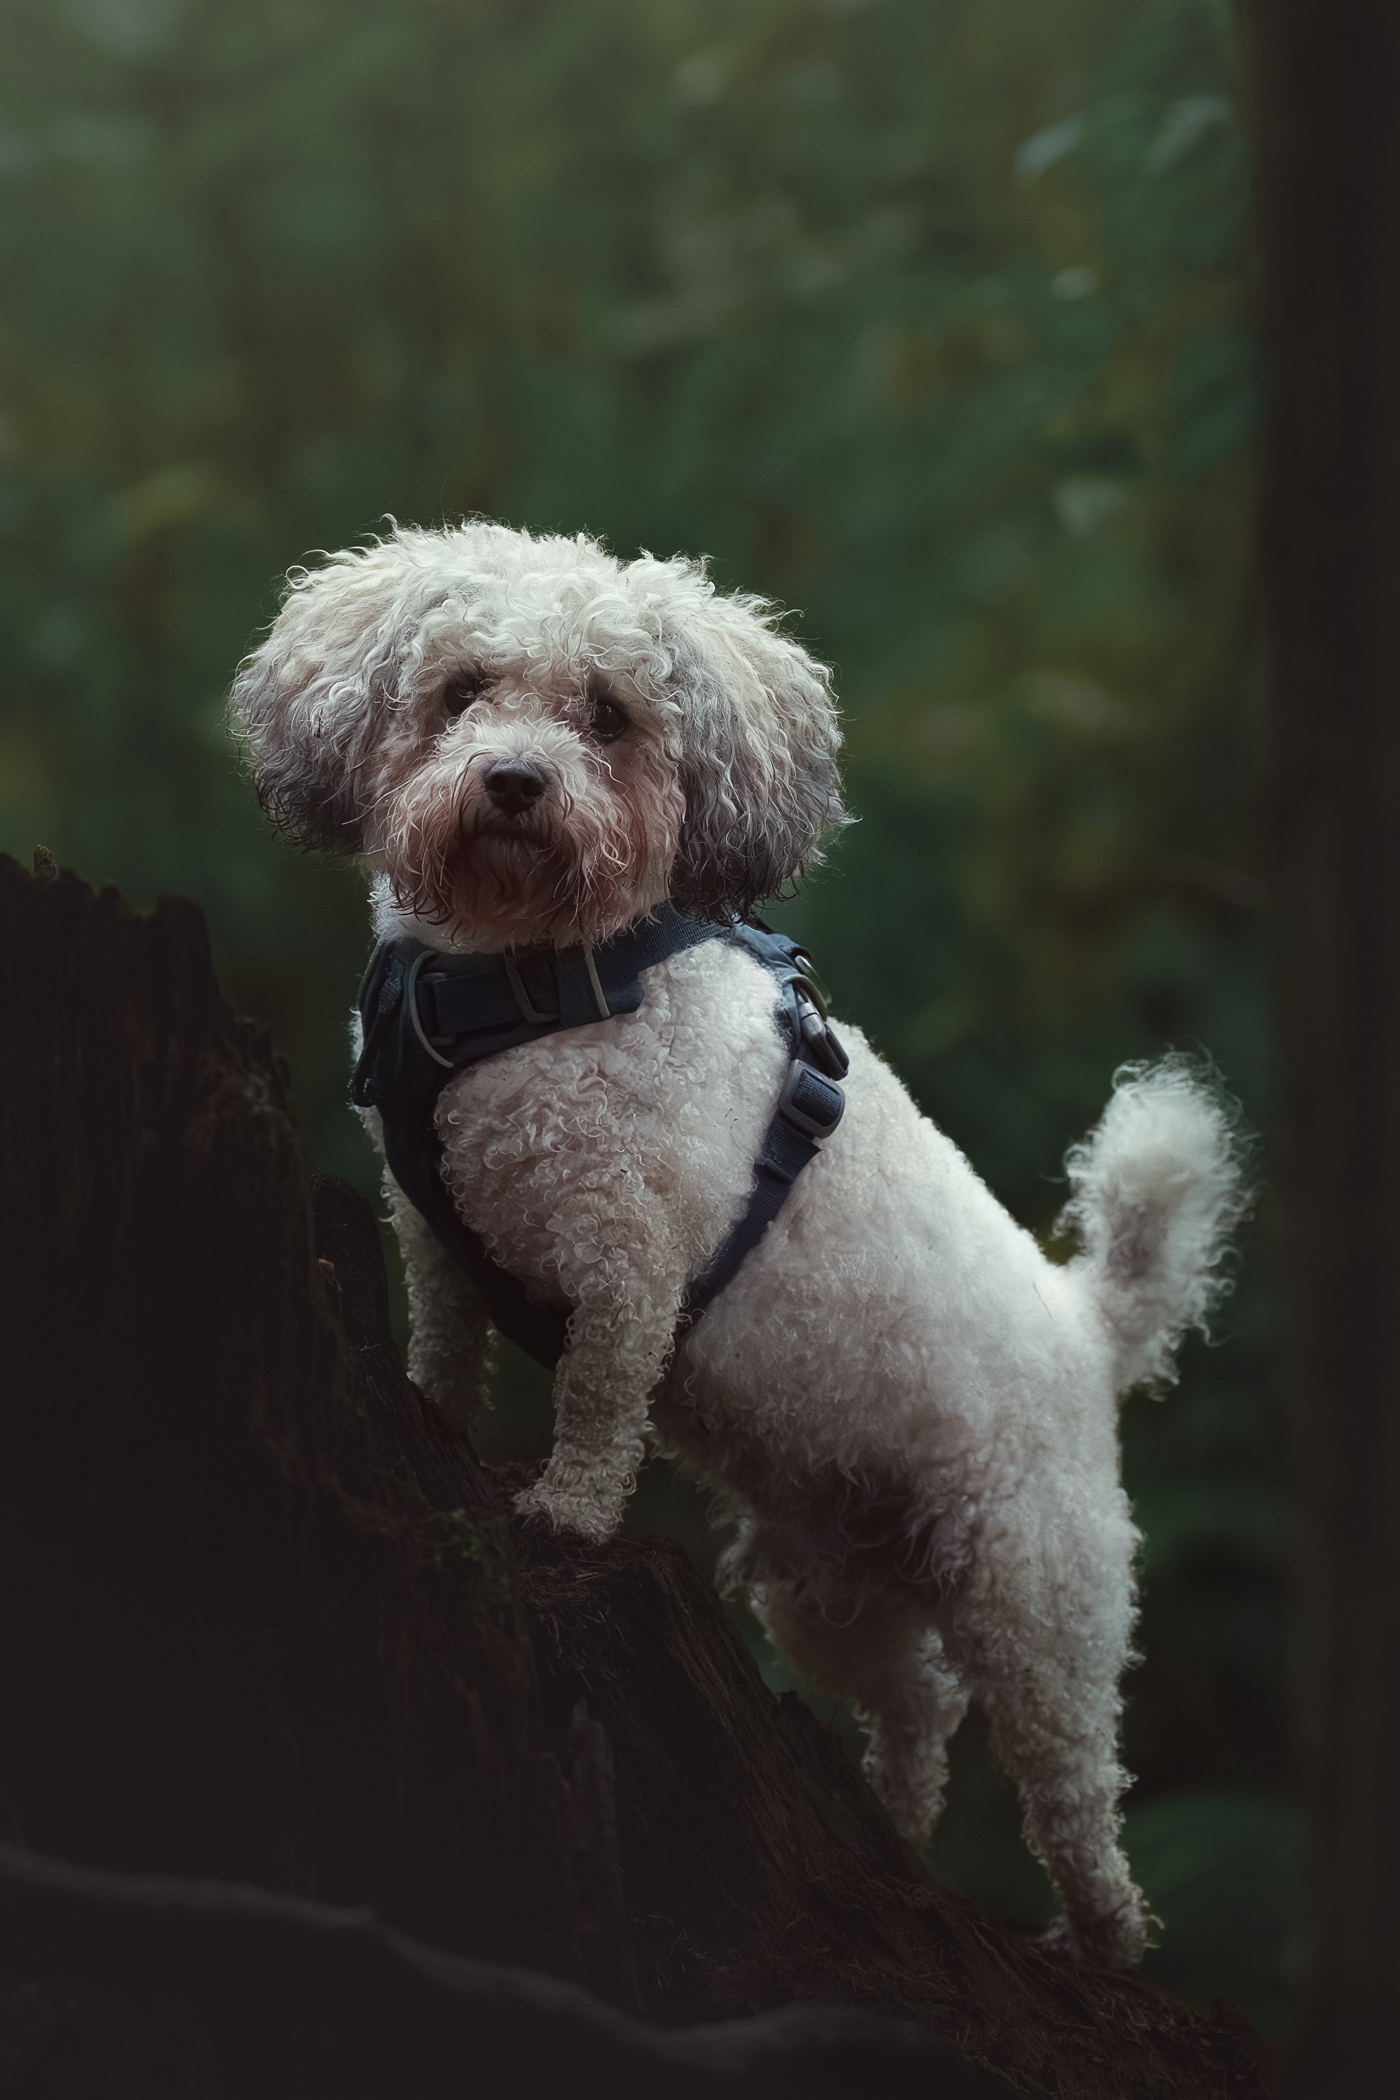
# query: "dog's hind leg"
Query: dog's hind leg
{"points": [[881, 1653], [906, 1759], [451, 1342], [1044, 1647]]}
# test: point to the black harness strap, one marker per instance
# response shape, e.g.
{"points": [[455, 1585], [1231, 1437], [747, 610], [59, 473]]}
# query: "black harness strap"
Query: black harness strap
{"points": [[809, 1107], [425, 1015]]}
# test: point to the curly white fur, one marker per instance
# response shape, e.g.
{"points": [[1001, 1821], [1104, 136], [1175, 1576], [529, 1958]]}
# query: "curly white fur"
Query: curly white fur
{"points": [[1157, 1191], [910, 1411]]}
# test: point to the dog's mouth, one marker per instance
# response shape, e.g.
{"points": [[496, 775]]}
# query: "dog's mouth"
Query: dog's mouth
{"points": [[509, 839], [536, 825]]}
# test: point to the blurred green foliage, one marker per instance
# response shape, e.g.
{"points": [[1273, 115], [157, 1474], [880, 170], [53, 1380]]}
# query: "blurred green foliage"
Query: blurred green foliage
{"points": [[928, 316]]}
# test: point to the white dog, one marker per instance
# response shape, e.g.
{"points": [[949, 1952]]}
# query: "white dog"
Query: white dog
{"points": [[911, 1411]]}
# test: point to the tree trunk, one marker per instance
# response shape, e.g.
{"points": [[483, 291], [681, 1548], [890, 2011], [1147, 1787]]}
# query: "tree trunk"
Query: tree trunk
{"points": [[263, 1620], [1326, 84]]}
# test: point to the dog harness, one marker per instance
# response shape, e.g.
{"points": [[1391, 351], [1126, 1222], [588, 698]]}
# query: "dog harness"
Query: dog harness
{"points": [[427, 1015]]}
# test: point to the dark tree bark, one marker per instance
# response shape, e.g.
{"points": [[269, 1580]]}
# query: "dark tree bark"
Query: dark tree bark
{"points": [[1326, 86], [263, 1620]]}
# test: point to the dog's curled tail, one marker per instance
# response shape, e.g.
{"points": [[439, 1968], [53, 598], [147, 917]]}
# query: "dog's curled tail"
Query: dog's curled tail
{"points": [[1156, 1192]]}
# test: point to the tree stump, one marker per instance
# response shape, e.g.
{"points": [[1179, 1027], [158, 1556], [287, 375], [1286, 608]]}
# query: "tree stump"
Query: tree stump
{"points": [[264, 1620]]}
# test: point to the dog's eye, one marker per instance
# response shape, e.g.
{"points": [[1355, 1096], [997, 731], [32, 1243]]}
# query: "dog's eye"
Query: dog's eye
{"points": [[606, 720], [459, 692]]}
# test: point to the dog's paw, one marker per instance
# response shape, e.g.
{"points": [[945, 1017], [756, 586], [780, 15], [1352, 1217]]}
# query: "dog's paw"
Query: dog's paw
{"points": [[573, 1516]]}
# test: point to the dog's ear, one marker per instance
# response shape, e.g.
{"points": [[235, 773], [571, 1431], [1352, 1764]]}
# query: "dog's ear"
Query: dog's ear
{"points": [[308, 704], [760, 740]]}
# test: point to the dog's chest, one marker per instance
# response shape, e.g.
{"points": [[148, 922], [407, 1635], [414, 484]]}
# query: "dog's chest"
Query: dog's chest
{"points": [[648, 1123]]}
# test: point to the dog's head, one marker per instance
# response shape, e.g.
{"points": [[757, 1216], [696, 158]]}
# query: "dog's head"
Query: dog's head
{"points": [[535, 742]]}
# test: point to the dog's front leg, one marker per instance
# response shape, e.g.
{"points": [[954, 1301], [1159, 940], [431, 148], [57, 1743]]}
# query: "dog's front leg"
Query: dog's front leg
{"points": [[451, 1342], [619, 1340]]}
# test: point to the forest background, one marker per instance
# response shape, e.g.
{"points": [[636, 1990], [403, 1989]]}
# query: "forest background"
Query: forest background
{"points": [[929, 318]]}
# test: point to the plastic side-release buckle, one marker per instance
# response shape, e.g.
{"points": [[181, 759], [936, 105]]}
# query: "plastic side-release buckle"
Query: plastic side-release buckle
{"points": [[812, 1103], [820, 1045]]}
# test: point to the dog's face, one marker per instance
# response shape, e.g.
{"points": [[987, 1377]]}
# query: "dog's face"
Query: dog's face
{"points": [[536, 743]]}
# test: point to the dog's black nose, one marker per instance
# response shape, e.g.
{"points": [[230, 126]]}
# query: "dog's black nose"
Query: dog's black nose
{"points": [[513, 784]]}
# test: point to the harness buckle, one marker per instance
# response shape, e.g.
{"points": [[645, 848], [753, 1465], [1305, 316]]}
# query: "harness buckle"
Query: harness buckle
{"points": [[809, 1101], [819, 1045]]}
